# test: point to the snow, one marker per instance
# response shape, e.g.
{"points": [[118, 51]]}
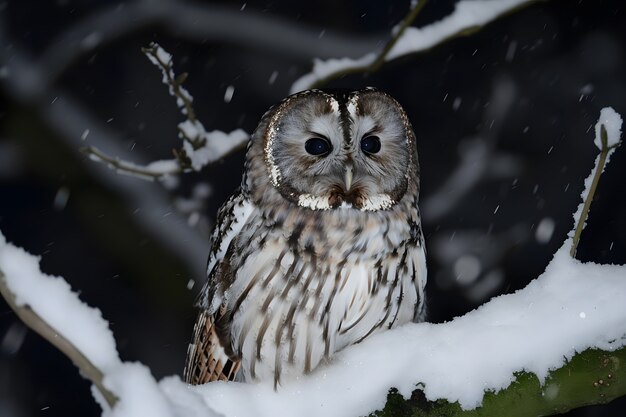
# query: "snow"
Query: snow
{"points": [[51, 297], [612, 122], [467, 14], [146, 399], [217, 145], [569, 308], [324, 68]]}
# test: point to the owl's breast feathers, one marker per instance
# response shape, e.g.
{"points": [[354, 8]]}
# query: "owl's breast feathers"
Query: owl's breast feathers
{"points": [[289, 287]]}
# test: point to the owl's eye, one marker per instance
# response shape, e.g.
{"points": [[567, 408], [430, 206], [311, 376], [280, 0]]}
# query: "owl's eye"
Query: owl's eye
{"points": [[318, 146], [370, 144]]}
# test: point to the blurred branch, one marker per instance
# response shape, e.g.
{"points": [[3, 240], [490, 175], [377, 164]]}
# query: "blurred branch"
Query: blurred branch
{"points": [[468, 17], [197, 22], [478, 157], [39, 325], [591, 377]]}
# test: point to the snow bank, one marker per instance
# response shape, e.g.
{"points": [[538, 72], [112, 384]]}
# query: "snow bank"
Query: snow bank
{"points": [[570, 308]]}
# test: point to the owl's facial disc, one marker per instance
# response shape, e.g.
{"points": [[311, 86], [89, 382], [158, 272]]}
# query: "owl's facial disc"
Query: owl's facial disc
{"points": [[336, 151]]}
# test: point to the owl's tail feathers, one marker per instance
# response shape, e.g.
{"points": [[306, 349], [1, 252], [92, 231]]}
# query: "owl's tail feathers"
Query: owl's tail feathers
{"points": [[206, 359]]}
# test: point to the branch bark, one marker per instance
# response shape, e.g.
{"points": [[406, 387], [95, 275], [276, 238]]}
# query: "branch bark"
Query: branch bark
{"points": [[591, 377], [39, 325]]}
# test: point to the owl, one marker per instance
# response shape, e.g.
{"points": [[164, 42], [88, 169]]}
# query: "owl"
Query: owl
{"points": [[321, 246]]}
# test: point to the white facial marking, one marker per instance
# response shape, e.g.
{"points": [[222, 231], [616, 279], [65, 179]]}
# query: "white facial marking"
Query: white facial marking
{"points": [[334, 105], [272, 131], [377, 202], [352, 107], [313, 202]]}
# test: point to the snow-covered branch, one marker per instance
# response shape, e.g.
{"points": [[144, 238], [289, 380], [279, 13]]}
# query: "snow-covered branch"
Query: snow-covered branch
{"points": [[85, 339], [468, 17], [200, 148]]}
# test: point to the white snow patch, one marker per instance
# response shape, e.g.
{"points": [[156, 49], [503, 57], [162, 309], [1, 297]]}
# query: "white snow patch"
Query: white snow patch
{"points": [[228, 94], [322, 69], [612, 122], [163, 167], [140, 393], [545, 229], [217, 145], [60, 198]]}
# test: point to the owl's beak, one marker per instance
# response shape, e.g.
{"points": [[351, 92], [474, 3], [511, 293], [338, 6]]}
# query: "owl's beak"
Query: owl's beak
{"points": [[348, 177]]}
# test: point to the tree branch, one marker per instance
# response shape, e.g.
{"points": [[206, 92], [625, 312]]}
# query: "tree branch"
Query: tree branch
{"points": [[591, 377], [406, 22], [200, 148], [39, 325], [408, 42]]}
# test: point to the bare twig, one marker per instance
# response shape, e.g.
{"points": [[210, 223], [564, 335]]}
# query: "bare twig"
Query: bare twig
{"points": [[39, 325], [580, 224], [163, 60], [149, 172]]}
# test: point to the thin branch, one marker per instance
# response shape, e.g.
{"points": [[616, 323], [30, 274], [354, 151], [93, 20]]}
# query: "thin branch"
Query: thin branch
{"points": [[406, 22], [149, 172], [196, 22], [580, 224], [39, 325], [163, 60]]}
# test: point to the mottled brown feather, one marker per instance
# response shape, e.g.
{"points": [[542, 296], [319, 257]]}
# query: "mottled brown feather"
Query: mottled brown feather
{"points": [[206, 358]]}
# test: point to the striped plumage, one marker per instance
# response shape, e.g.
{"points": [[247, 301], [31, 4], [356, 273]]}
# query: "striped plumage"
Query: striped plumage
{"points": [[315, 252]]}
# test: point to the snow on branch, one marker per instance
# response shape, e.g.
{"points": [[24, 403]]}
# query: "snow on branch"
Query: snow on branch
{"points": [[43, 303], [200, 148], [468, 16], [554, 345]]}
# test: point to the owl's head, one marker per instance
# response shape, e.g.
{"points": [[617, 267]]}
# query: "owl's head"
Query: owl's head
{"points": [[326, 150]]}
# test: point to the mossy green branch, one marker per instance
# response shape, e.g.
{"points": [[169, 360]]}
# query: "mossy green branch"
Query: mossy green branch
{"points": [[591, 377]]}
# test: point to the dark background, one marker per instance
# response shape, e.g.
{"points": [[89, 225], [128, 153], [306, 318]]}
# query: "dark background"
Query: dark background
{"points": [[514, 105]]}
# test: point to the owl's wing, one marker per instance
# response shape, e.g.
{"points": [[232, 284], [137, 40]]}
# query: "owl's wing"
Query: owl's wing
{"points": [[208, 358], [231, 218]]}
